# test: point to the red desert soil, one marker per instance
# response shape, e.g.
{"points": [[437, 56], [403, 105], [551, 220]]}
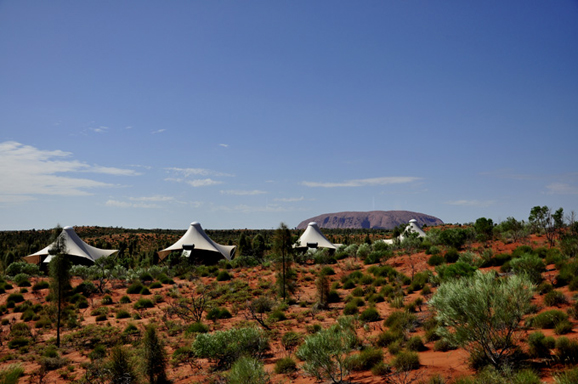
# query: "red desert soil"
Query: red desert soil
{"points": [[449, 365]]}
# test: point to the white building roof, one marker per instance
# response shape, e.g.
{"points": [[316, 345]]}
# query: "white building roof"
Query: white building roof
{"points": [[196, 236], [412, 227], [313, 235], [74, 247]]}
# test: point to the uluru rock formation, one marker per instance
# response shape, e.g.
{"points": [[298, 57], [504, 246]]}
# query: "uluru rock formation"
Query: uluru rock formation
{"points": [[370, 220]]}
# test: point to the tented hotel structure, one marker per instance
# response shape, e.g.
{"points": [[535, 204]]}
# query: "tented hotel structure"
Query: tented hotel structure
{"points": [[313, 238], [76, 249], [195, 241], [412, 227]]}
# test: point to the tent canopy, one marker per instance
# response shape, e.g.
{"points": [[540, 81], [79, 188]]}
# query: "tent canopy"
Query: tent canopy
{"points": [[196, 239], [412, 227], [313, 238], [74, 247]]}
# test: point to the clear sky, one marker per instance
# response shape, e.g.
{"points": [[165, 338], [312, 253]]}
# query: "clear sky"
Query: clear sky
{"points": [[246, 114]]}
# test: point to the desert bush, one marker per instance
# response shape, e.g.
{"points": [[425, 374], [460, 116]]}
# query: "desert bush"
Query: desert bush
{"points": [[154, 356], [384, 339], [223, 276], [567, 377], [350, 308], [555, 298], [122, 314], [124, 300], [435, 260], [218, 313], [548, 319], [15, 298], [540, 345], [224, 347], [11, 374], [135, 288], [453, 271], [21, 280], [22, 267], [563, 327], [475, 311], [41, 285], [248, 370], [415, 344], [444, 345], [406, 361], [143, 303], [325, 352], [369, 315], [567, 350], [401, 320], [197, 327], [277, 315], [530, 265], [156, 285], [365, 360], [285, 365]]}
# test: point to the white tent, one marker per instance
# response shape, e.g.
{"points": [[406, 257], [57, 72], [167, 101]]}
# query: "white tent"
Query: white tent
{"points": [[412, 227], [313, 238], [196, 239], [74, 247]]}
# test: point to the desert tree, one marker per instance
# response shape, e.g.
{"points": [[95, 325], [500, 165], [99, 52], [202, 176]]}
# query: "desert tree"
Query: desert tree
{"points": [[283, 248], [484, 229], [121, 367], [482, 313], [59, 269], [155, 359]]}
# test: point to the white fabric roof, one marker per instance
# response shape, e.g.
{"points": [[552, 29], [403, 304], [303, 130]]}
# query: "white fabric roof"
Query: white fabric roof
{"points": [[313, 235], [196, 236], [74, 247], [412, 227]]}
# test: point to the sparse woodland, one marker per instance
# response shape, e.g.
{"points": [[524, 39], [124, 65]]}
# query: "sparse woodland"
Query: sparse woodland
{"points": [[481, 302]]}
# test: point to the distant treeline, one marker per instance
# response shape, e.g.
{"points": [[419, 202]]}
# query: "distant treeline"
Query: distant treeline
{"points": [[138, 245]]}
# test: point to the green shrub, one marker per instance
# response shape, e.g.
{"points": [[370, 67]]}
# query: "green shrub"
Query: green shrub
{"points": [[290, 340], [444, 345], [540, 345], [366, 359], [452, 255], [333, 296], [247, 370], [224, 347], [18, 342], [11, 374], [223, 276], [15, 298], [401, 320], [124, 300], [43, 322], [563, 327], [350, 309], [41, 285], [98, 353], [349, 284], [22, 267], [526, 376], [131, 329], [197, 327], [567, 377], [384, 339], [156, 285], [406, 361], [285, 365], [145, 291], [369, 315], [381, 369], [415, 344], [555, 298], [452, 271], [217, 313], [122, 314], [277, 315], [435, 260], [567, 350], [143, 303], [327, 271], [106, 300], [529, 264], [135, 288], [548, 319]]}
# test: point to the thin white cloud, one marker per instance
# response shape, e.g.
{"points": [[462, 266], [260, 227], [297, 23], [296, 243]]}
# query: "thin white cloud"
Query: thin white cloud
{"points": [[158, 131], [153, 198], [186, 172], [561, 189], [252, 209], [126, 204], [27, 171], [202, 182], [289, 199], [101, 129], [472, 203], [237, 192], [362, 182], [224, 145]]}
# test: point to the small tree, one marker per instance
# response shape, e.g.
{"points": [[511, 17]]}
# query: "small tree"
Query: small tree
{"points": [[322, 285], [483, 312], [325, 352], [283, 247], [155, 360], [60, 277], [121, 368]]}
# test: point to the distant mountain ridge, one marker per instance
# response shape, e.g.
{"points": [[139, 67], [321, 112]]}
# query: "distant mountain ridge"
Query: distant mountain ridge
{"points": [[370, 220]]}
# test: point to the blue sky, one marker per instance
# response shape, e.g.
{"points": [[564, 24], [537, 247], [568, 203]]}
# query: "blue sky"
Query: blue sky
{"points": [[246, 114]]}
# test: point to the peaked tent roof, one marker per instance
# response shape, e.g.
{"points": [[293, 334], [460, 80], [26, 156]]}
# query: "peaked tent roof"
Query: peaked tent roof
{"points": [[313, 235], [74, 247], [196, 236], [412, 227]]}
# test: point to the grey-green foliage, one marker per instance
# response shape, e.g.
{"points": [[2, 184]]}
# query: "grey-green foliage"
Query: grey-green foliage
{"points": [[155, 359], [11, 374], [248, 370], [483, 313], [529, 264], [363, 250], [22, 267], [325, 352], [224, 347]]}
